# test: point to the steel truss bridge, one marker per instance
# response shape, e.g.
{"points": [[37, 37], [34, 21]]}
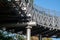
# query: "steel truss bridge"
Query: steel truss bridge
{"points": [[14, 17]]}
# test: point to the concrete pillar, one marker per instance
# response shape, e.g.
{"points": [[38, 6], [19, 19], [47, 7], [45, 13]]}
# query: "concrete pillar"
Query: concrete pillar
{"points": [[30, 24], [28, 32]]}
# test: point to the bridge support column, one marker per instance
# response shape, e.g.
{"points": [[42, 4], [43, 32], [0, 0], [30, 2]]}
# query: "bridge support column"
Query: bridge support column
{"points": [[28, 32], [40, 37], [30, 25]]}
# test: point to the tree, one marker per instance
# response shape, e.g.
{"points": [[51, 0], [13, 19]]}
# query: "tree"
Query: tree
{"points": [[4, 35]]}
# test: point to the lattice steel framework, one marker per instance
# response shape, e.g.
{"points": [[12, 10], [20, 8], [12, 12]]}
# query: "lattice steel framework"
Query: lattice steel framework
{"points": [[42, 17]]}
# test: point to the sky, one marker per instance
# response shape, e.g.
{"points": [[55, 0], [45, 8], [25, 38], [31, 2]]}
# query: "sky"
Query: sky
{"points": [[50, 4]]}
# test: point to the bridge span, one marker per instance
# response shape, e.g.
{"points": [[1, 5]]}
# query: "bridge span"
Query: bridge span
{"points": [[16, 15]]}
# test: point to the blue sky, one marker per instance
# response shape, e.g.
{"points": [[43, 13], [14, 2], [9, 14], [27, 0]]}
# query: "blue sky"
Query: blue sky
{"points": [[49, 4]]}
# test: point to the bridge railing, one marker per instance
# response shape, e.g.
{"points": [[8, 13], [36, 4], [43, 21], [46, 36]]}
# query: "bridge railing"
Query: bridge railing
{"points": [[43, 17]]}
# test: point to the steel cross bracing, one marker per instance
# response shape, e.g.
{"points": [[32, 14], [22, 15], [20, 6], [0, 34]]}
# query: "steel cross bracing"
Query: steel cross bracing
{"points": [[43, 17], [39, 15]]}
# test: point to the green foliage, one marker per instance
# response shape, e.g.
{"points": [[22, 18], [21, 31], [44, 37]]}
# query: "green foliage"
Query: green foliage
{"points": [[21, 38], [4, 35], [4, 38]]}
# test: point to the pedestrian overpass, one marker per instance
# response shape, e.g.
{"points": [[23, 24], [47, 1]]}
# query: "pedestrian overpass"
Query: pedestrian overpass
{"points": [[16, 16]]}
